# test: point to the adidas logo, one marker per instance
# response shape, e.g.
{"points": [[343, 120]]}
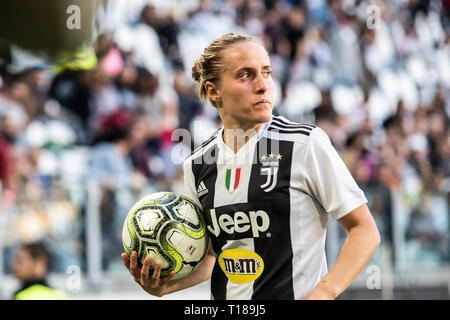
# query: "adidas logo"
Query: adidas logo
{"points": [[201, 191]]}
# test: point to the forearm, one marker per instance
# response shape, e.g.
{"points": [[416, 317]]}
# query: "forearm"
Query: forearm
{"points": [[361, 243], [201, 274]]}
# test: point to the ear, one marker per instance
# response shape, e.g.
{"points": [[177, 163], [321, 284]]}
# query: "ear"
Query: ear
{"points": [[213, 92]]}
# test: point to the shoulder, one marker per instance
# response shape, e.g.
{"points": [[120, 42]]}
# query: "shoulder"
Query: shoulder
{"points": [[283, 129], [40, 292]]}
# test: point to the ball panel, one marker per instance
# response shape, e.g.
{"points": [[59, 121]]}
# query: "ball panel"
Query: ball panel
{"points": [[156, 196], [197, 233], [167, 246], [126, 237], [149, 219], [129, 238], [141, 226], [192, 250], [175, 238], [157, 253], [153, 252], [187, 213]]}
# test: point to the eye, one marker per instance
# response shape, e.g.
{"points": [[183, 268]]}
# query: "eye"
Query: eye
{"points": [[244, 75], [267, 73]]}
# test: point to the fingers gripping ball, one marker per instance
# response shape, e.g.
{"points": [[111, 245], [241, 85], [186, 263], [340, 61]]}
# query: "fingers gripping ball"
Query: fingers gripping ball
{"points": [[170, 228]]}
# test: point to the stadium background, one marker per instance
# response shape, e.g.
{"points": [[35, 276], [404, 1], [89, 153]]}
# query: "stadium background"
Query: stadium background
{"points": [[375, 75]]}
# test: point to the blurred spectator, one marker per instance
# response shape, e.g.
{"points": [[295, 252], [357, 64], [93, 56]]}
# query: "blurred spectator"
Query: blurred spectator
{"points": [[158, 101], [126, 83], [71, 90], [294, 25], [111, 167], [6, 159], [104, 99], [13, 120], [168, 28], [110, 162], [32, 263], [189, 104]]}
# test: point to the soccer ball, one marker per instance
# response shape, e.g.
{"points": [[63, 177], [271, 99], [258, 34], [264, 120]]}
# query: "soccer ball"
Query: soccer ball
{"points": [[170, 228]]}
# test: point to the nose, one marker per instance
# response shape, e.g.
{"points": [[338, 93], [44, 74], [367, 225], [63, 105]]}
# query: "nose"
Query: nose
{"points": [[261, 84]]}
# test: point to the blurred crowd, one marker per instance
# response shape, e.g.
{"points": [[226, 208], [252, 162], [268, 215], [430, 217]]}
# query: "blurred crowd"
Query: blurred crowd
{"points": [[375, 75]]}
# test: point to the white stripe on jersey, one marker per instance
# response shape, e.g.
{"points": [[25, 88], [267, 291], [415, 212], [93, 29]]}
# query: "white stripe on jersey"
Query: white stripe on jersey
{"points": [[222, 197], [310, 188], [293, 137], [305, 227], [243, 291]]}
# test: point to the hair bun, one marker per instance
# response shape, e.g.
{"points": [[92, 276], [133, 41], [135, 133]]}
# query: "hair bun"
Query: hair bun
{"points": [[197, 70]]}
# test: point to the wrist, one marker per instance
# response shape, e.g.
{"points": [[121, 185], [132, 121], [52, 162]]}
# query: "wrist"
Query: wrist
{"points": [[324, 290]]}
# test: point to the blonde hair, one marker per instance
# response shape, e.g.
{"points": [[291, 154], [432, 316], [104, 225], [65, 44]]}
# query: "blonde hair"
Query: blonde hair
{"points": [[209, 66]]}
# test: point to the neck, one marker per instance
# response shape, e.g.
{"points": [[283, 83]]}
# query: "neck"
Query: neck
{"points": [[237, 137], [30, 282]]}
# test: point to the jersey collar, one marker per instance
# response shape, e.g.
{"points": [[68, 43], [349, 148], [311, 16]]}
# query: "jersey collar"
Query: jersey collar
{"points": [[249, 145]]}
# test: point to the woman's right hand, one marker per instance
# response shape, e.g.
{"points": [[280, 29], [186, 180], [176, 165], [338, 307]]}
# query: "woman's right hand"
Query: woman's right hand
{"points": [[150, 282]]}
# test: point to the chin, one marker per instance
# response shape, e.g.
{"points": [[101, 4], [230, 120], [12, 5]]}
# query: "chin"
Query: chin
{"points": [[258, 117], [265, 116]]}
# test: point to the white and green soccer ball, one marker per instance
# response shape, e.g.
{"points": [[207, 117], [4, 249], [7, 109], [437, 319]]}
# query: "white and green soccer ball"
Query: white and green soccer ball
{"points": [[170, 228]]}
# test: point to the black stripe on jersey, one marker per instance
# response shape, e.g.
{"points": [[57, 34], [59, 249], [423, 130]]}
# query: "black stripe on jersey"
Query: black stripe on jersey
{"points": [[282, 122], [275, 249], [293, 125], [206, 142], [206, 171], [282, 126], [290, 130]]}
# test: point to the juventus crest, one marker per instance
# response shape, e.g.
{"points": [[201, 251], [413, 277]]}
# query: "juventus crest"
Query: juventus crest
{"points": [[269, 168]]}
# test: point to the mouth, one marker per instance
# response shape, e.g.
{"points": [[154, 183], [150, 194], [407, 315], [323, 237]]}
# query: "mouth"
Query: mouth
{"points": [[261, 102]]}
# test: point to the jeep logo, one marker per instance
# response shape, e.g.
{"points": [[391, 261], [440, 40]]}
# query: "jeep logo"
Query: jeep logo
{"points": [[240, 222]]}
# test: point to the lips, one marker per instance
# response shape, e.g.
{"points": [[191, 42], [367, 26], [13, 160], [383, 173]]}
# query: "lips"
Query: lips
{"points": [[263, 102]]}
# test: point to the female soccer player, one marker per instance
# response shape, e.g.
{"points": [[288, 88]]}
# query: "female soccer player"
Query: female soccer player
{"points": [[266, 186]]}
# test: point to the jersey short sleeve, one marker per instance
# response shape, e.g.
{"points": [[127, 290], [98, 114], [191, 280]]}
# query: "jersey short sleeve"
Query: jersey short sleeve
{"points": [[327, 177]]}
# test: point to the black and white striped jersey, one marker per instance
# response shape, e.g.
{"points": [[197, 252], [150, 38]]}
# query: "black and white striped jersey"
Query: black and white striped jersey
{"points": [[266, 208]]}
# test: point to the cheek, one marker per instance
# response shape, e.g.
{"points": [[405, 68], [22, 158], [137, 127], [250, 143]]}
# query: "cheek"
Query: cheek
{"points": [[19, 268], [237, 92], [236, 98], [270, 88]]}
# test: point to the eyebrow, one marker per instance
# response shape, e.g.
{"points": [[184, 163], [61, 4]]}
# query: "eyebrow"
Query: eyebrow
{"points": [[251, 68]]}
